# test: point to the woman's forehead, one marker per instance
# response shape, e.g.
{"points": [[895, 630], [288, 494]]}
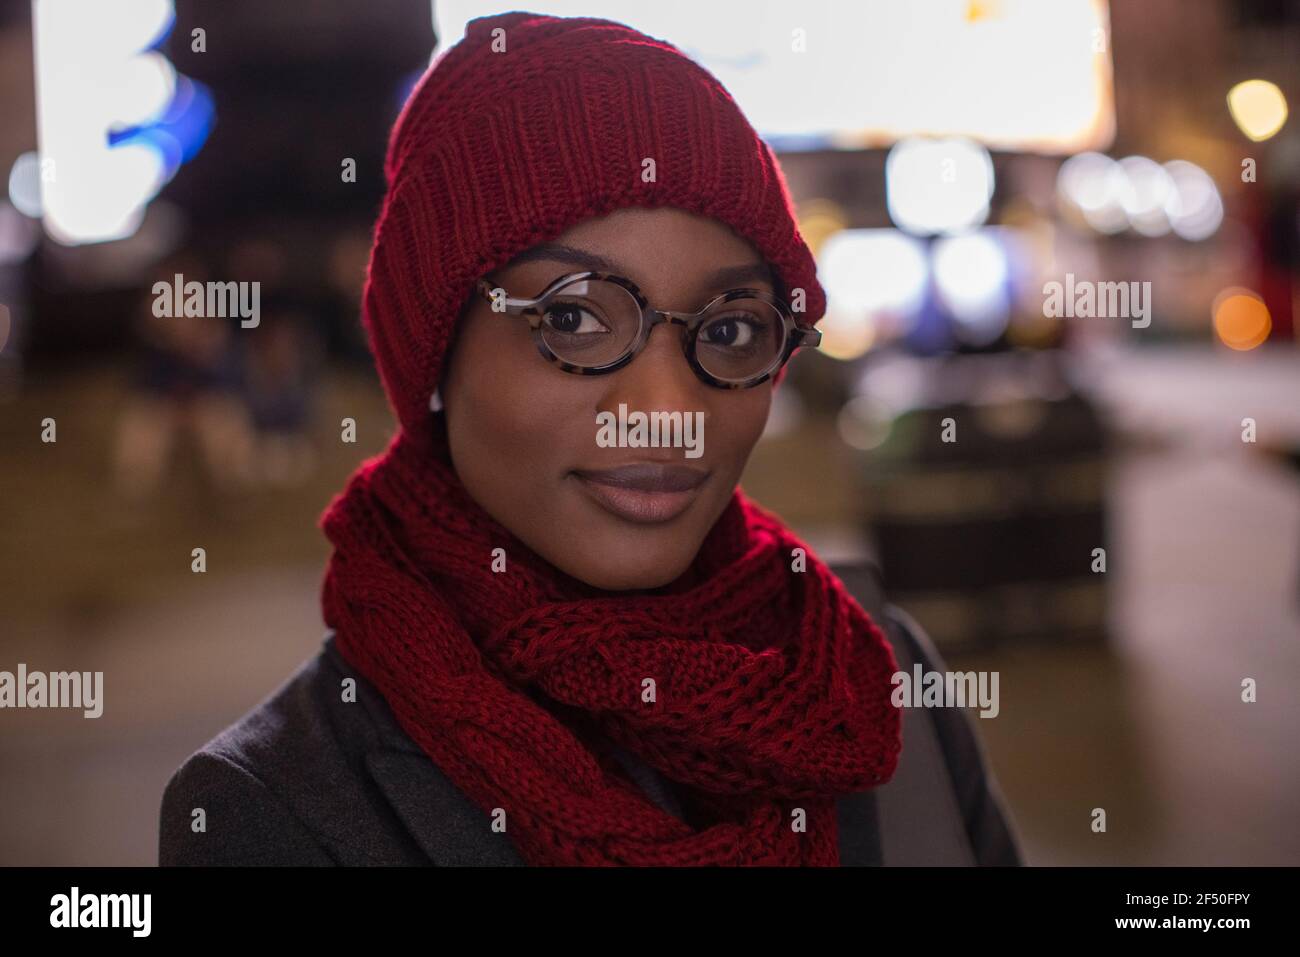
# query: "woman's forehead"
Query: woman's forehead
{"points": [[663, 247]]}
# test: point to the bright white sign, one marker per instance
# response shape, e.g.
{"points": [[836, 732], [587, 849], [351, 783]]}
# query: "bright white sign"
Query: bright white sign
{"points": [[1031, 75]]}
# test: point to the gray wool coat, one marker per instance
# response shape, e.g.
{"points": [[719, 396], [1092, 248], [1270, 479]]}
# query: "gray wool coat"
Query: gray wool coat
{"points": [[306, 778]]}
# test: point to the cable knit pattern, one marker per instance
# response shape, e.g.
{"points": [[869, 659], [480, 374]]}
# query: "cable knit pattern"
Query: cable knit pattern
{"points": [[772, 686]]}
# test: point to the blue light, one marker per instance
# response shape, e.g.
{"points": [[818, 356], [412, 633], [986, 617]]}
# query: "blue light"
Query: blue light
{"points": [[182, 129]]}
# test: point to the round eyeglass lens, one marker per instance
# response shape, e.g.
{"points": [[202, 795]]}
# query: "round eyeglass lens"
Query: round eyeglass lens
{"points": [[740, 339], [590, 322]]}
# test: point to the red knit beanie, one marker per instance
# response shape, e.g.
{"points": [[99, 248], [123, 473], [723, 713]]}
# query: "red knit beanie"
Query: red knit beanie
{"points": [[528, 126]]}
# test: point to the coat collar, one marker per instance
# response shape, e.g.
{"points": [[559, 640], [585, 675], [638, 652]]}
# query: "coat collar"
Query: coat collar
{"points": [[446, 825]]}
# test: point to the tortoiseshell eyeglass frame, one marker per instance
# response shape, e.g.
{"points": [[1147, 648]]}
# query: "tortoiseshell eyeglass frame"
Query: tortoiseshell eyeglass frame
{"points": [[534, 310]]}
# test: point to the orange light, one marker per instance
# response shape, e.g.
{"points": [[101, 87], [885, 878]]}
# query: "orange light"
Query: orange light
{"points": [[1241, 319]]}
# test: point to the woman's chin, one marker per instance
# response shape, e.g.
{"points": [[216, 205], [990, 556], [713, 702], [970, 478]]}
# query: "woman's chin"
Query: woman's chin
{"points": [[620, 571]]}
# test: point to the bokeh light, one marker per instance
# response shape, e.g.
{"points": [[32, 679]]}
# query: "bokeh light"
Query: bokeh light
{"points": [[938, 186], [1091, 183], [1241, 320], [1144, 188], [970, 273], [1194, 206], [869, 274], [1258, 108]]}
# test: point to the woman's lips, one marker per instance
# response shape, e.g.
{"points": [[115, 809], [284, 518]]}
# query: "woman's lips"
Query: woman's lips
{"points": [[647, 493]]}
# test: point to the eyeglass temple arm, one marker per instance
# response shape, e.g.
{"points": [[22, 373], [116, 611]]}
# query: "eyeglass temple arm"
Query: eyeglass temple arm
{"points": [[488, 290], [807, 336]]}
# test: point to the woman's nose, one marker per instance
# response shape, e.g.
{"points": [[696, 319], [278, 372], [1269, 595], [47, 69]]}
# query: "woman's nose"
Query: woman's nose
{"points": [[658, 379]]}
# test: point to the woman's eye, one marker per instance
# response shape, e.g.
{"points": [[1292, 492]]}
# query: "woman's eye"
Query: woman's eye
{"points": [[730, 331], [572, 319]]}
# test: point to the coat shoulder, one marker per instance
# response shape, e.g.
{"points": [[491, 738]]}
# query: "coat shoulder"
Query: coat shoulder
{"points": [[215, 812], [962, 786], [270, 740], [943, 806]]}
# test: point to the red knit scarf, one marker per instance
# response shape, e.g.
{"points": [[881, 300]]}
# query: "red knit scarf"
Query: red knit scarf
{"points": [[771, 685]]}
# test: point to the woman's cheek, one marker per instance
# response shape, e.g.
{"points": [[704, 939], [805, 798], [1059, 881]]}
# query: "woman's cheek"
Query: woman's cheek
{"points": [[744, 423]]}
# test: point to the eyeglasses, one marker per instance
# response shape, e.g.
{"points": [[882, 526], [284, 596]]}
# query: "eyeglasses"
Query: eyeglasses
{"points": [[593, 323]]}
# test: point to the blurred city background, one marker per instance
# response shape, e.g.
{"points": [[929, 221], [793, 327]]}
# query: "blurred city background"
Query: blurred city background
{"points": [[951, 160]]}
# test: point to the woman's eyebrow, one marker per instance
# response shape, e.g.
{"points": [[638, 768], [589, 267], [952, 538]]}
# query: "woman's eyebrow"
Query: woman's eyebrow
{"points": [[558, 252], [732, 277], [728, 277]]}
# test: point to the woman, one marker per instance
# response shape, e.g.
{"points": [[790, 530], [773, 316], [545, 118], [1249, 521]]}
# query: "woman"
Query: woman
{"points": [[550, 648]]}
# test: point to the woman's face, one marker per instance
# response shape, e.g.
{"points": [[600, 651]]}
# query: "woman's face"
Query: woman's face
{"points": [[524, 433]]}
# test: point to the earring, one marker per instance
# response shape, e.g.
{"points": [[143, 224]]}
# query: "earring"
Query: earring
{"points": [[435, 402]]}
